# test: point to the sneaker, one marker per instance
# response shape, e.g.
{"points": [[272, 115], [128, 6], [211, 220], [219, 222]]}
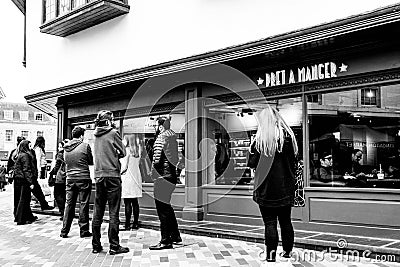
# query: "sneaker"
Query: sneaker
{"points": [[177, 241], [86, 234], [285, 255], [119, 250], [63, 235], [160, 246], [97, 250], [135, 226]]}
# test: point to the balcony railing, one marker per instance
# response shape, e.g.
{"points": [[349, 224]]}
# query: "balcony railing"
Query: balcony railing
{"points": [[65, 17]]}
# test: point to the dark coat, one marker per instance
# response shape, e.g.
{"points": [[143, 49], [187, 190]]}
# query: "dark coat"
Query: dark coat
{"points": [[59, 168], [24, 169], [77, 156], [165, 155], [277, 187], [108, 149]]}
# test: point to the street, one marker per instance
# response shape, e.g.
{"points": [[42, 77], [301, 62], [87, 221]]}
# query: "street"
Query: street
{"points": [[39, 244]]}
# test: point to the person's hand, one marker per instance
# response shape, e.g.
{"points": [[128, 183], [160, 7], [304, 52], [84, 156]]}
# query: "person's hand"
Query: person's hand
{"points": [[31, 186]]}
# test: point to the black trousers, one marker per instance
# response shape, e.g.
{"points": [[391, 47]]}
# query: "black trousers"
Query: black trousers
{"points": [[38, 193], [162, 196], [131, 205], [108, 189], [60, 197], [75, 188], [22, 200], [270, 217]]}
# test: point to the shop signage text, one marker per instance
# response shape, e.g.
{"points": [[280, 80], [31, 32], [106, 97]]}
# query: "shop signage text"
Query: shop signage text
{"points": [[315, 72]]}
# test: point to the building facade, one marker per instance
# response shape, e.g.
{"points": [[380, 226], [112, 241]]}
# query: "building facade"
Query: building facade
{"points": [[18, 119], [336, 84]]}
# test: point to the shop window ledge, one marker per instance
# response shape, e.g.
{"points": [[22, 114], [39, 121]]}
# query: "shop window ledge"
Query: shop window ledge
{"points": [[84, 17]]}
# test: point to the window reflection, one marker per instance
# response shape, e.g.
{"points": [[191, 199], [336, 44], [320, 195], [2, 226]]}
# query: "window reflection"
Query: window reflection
{"points": [[232, 129], [362, 138]]}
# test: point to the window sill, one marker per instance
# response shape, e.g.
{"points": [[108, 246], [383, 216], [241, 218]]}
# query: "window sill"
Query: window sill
{"points": [[84, 17]]}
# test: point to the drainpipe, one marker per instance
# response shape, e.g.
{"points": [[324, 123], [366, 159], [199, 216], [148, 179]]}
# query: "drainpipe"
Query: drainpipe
{"points": [[24, 59]]}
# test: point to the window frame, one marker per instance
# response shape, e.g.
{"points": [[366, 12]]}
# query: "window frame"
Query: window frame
{"points": [[8, 114], [37, 114], [24, 114], [9, 137]]}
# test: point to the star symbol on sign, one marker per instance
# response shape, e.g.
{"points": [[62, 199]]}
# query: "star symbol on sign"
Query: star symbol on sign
{"points": [[343, 68], [260, 81]]}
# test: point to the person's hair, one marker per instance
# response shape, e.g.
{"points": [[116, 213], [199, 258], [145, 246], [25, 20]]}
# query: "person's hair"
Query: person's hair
{"points": [[133, 141], [103, 118], [165, 122], [271, 132], [77, 132], [355, 150], [23, 147], [40, 143], [19, 139]]}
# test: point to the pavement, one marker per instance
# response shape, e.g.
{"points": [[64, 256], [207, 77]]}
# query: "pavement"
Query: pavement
{"points": [[39, 244]]}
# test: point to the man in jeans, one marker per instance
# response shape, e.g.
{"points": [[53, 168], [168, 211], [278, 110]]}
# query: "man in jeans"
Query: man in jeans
{"points": [[108, 149], [165, 159], [77, 156]]}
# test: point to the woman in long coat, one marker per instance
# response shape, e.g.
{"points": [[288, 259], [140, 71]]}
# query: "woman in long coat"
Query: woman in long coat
{"points": [[131, 179], [24, 172]]}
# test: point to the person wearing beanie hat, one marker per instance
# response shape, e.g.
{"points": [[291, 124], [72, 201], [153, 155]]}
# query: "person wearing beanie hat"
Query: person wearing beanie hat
{"points": [[165, 159]]}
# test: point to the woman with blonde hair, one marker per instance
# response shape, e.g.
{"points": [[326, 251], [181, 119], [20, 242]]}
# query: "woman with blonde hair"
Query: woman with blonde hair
{"points": [[131, 179], [275, 149]]}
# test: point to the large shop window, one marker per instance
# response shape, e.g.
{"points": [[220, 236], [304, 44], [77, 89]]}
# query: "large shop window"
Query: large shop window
{"points": [[355, 138], [232, 128], [144, 130]]}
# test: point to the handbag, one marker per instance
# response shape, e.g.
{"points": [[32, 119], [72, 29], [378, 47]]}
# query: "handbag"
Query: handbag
{"points": [[52, 180], [253, 157]]}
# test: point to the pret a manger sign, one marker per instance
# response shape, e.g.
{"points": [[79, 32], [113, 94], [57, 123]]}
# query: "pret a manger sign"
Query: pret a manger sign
{"points": [[314, 72]]}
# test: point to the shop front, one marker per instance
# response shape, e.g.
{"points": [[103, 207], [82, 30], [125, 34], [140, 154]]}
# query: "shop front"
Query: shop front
{"points": [[340, 94]]}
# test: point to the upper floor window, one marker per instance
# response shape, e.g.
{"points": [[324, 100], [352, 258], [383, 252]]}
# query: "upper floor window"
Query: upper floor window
{"points": [[38, 116], [8, 114], [370, 97], [23, 115], [88, 13], [50, 9], [9, 135], [25, 134]]}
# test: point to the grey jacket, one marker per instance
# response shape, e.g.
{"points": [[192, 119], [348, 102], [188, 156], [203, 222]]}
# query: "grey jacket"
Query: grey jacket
{"points": [[108, 149], [78, 156]]}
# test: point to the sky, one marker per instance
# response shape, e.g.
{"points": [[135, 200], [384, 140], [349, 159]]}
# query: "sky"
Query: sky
{"points": [[12, 72], [13, 75]]}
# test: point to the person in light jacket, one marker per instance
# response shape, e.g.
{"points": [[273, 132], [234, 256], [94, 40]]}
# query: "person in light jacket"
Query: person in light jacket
{"points": [[132, 179], [108, 149], [39, 155], [274, 179]]}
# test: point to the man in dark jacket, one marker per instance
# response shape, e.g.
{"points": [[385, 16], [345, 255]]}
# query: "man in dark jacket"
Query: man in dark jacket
{"points": [[165, 159], [77, 156], [108, 149]]}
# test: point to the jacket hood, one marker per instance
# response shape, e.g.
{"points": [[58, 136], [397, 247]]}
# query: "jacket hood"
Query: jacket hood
{"points": [[99, 131], [71, 145]]}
